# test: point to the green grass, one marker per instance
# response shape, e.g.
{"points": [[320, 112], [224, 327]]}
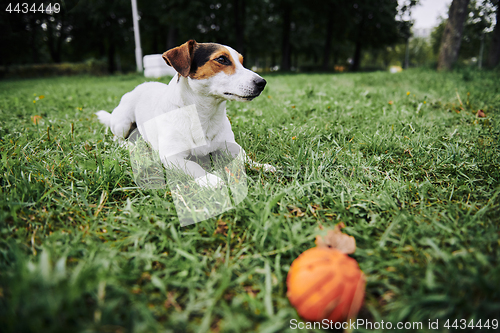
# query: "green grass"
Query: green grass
{"points": [[415, 178]]}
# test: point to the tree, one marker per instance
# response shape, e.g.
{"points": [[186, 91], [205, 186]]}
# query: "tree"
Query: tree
{"points": [[20, 39], [374, 26], [286, 52], [476, 29], [114, 40], [476, 32], [329, 34], [239, 24], [336, 18], [57, 28], [437, 35], [494, 54], [452, 35], [405, 9]]}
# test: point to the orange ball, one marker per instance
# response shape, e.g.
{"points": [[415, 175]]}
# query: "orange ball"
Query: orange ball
{"points": [[325, 283]]}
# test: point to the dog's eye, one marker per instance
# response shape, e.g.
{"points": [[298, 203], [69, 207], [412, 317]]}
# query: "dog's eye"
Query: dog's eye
{"points": [[223, 60]]}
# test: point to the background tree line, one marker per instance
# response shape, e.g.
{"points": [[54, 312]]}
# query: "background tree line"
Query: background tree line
{"points": [[291, 34]]}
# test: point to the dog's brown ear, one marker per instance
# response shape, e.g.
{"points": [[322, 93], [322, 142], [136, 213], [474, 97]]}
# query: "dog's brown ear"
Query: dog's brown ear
{"points": [[180, 57]]}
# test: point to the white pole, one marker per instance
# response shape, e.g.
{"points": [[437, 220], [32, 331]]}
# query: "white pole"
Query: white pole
{"points": [[137, 37]]}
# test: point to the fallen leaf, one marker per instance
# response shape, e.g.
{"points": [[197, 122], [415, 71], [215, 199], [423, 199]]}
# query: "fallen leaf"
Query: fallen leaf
{"points": [[336, 239], [36, 119], [313, 209], [170, 301], [480, 114], [386, 297], [295, 210], [251, 291], [221, 228]]}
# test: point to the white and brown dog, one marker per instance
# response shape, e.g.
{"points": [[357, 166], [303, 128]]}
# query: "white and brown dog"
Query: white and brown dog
{"points": [[208, 75]]}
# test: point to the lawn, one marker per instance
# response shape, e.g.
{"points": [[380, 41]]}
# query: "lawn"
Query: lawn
{"points": [[401, 159]]}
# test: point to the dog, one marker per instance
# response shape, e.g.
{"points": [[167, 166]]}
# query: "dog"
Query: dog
{"points": [[187, 117]]}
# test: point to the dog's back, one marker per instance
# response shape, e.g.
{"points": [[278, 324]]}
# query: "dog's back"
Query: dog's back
{"points": [[123, 117]]}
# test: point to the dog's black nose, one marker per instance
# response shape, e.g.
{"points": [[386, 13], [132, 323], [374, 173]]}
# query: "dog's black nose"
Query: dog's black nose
{"points": [[260, 83]]}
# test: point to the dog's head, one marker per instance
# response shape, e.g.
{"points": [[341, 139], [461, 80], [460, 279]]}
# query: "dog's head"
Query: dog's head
{"points": [[215, 70]]}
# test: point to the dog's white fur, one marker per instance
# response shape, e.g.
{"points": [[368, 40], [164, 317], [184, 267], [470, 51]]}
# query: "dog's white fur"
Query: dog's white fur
{"points": [[178, 135]]}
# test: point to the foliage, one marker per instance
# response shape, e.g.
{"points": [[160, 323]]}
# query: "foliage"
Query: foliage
{"points": [[420, 52], [420, 55], [322, 34], [259, 29], [414, 176], [91, 67], [477, 26], [437, 35]]}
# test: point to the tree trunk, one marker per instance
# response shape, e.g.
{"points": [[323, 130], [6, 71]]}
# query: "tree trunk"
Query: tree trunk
{"points": [[172, 38], [59, 42], [33, 39], [356, 61], [285, 48], [50, 41], [494, 54], [111, 55], [102, 48], [452, 35], [156, 47], [239, 25], [328, 40], [55, 40]]}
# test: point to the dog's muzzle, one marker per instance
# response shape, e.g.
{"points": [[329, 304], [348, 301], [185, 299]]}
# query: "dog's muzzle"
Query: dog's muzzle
{"points": [[252, 91], [259, 84]]}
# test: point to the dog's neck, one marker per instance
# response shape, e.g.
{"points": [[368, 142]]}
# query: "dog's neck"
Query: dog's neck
{"points": [[211, 110]]}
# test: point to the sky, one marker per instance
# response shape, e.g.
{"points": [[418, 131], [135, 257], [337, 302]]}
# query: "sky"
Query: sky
{"points": [[427, 13]]}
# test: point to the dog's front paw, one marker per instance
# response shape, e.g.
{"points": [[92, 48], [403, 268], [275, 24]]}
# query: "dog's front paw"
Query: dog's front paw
{"points": [[268, 168], [210, 180], [263, 167]]}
